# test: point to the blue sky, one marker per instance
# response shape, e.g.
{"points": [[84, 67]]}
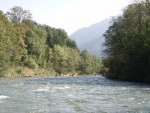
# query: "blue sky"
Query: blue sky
{"points": [[70, 15]]}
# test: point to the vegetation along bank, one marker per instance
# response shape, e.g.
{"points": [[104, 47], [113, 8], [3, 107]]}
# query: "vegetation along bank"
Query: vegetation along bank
{"points": [[28, 48], [128, 44]]}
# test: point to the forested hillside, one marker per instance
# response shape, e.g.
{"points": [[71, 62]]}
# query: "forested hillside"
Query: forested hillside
{"points": [[29, 48], [128, 44]]}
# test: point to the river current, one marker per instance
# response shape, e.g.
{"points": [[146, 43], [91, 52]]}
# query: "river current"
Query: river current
{"points": [[81, 94]]}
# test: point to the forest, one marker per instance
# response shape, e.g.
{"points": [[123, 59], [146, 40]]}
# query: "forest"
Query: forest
{"points": [[128, 44], [28, 48]]}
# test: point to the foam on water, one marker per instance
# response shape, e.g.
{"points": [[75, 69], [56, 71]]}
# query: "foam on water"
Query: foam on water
{"points": [[62, 88], [3, 97], [42, 89], [40, 111], [51, 89]]}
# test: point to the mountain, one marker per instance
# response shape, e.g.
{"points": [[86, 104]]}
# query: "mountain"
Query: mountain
{"points": [[94, 46], [91, 38]]}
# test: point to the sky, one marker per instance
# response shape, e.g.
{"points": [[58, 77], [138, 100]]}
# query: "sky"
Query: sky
{"points": [[69, 15]]}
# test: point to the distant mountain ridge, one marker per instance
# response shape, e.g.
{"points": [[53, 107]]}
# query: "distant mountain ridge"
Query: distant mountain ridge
{"points": [[91, 38]]}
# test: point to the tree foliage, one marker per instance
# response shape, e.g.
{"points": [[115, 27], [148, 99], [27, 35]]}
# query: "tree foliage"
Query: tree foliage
{"points": [[64, 59], [128, 44], [27, 44], [17, 14], [90, 63], [58, 37]]}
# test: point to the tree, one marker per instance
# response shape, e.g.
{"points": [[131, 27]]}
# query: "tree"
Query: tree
{"points": [[11, 50], [90, 64], [35, 40], [59, 37], [17, 14], [58, 59], [127, 41]]}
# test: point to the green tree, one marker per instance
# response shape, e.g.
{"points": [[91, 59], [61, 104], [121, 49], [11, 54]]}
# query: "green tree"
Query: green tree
{"points": [[59, 37], [36, 44], [127, 41], [90, 64], [64, 59], [11, 50], [59, 59], [73, 59]]}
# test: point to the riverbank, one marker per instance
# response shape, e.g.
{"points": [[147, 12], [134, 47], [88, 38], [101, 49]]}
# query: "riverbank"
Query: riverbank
{"points": [[28, 72]]}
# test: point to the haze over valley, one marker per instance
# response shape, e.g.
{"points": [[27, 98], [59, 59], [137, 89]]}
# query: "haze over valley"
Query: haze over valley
{"points": [[91, 38]]}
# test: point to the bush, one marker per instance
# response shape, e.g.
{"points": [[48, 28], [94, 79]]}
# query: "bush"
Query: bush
{"points": [[31, 63]]}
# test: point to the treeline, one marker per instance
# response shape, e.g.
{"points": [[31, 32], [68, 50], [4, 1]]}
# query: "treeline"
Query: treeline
{"points": [[128, 44], [28, 48]]}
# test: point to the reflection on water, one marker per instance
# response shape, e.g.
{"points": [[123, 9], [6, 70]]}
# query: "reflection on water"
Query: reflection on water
{"points": [[72, 94]]}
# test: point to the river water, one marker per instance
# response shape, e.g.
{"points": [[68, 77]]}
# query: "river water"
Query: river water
{"points": [[81, 94]]}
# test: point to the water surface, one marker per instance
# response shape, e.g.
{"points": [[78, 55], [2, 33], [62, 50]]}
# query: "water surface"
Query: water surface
{"points": [[82, 94]]}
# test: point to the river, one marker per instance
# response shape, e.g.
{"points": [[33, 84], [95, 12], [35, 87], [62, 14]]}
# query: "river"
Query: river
{"points": [[81, 94]]}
